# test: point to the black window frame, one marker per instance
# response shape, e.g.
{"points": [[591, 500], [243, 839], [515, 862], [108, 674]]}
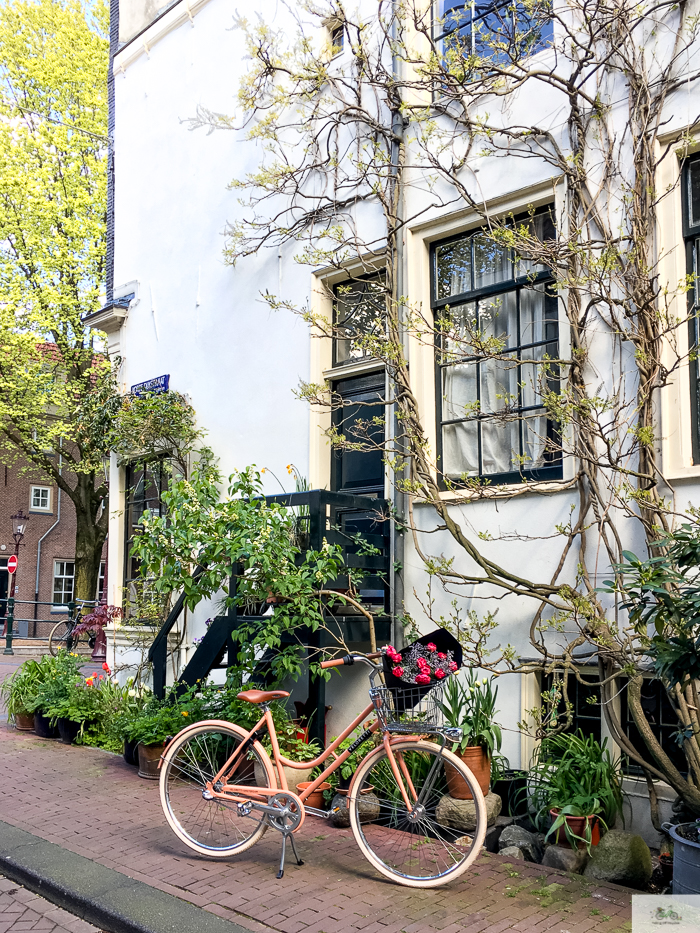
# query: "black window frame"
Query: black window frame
{"points": [[478, 13], [664, 729], [691, 239], [131, 516], [351, 282], [544, 279], [578, 698], [366, 388]]}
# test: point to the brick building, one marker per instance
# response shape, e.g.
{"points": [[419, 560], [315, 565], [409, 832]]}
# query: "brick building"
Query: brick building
{"points": [[45, 571]]}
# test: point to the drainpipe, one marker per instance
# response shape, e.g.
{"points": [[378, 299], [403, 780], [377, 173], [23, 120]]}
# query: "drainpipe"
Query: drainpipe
{"points": [[396, 550], [45, 535]]}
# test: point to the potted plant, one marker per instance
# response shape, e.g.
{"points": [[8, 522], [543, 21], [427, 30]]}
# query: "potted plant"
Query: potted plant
{"points": [[576, 784], [93, 625], [83, 705], [471, 707], [58, 675], [339, 782], [510, 785], [18, 692], [686, 856]]}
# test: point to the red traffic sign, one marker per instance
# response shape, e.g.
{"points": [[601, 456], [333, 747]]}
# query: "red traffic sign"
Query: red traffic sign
{"points": [[12, 563]]}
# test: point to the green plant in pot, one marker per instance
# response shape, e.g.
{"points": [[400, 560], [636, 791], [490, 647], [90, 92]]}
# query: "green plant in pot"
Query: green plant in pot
{"points": [[510, 785], [19, 692], [471, 707], [291, 747], [575, 783], [59, 674]]}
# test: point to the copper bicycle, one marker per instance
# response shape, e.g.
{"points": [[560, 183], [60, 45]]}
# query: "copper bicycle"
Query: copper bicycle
{"points": [[221, 791]]}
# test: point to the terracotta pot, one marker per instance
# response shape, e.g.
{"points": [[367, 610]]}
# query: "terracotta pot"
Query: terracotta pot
{"points": [[43, 727], [477, 760], [24, 722], [149, 756], [294, 776], [316, 798], [577, 825]]}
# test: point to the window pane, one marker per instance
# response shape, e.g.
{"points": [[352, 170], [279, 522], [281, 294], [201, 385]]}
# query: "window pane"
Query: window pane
{"points": [[459, 326], [499, 385], [534, 315], [453, 269], [500, 446], [359, 313], [460, 449], [531, 375], [535, 428], [492, 263], [694, 193], [459, 398], [498, 318]]}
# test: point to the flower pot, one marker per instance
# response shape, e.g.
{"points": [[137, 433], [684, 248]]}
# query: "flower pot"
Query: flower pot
{"points": [[314, 799], [43, 727], [686, 859], [68, 730], [577, 825], [24, 722], [131, 752], [477, 760], [512, 789], [293, 776], [149, 757]]}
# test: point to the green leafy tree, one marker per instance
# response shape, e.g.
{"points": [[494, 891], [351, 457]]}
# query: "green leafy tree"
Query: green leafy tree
{"points": [[56, 387]]}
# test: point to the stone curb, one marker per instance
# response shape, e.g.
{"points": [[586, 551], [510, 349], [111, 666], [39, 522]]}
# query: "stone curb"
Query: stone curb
{"points": [[103, 897]]}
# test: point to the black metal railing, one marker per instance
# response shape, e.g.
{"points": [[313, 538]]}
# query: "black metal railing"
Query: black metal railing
{"points": [[338, 518], [27, 625]]}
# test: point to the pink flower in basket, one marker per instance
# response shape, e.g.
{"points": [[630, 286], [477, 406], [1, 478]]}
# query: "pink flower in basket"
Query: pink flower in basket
{"points": [[453, 666], [442, 655], [439, 673], [431, 647], [398, 671], [423, 679]]}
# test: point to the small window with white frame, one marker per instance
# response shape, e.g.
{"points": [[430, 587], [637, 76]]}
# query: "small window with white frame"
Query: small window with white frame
{"points": [[337, 36], [63, 582], [40, 499]]}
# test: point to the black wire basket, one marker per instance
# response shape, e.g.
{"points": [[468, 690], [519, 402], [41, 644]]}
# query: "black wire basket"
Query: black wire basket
{"points": [[413, 710]]}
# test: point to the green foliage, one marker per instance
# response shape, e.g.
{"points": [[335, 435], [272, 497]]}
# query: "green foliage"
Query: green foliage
{"points": [[59, 674], [20, 690], [203, 529], [351, 763], [578, 776], [471, 706], [153, 425], [662, 596]]}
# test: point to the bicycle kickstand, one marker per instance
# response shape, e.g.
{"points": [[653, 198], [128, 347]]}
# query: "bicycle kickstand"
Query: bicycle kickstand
{"points": [[280, 873]]}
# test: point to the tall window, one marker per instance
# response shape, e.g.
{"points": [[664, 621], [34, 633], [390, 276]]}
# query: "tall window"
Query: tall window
{"points": [[146, 481], [358, 317], [63, 581], [690, 180], [585, 702], [498, 30], [663, 721], [497, 331]]}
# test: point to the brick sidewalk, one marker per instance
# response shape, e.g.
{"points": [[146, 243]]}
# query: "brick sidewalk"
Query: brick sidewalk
{"points": [[20, 911], [92, 803]]}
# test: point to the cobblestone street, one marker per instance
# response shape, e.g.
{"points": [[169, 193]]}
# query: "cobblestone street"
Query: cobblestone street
{"points": [[21, 910], [94, 804]]}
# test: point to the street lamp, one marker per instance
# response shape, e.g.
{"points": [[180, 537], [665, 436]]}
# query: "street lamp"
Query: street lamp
{"points": [[19, 527]]}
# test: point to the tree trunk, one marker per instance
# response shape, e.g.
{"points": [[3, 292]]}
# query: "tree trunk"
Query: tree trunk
{"points": [[90, 535]]}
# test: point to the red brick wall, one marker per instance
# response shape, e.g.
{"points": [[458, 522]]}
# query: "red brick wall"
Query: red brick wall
{"points": [[59, 544]]}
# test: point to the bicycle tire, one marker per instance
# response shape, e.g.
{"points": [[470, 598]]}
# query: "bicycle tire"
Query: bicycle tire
{"points": [[209, 827], [61, 637], [417, 851]]}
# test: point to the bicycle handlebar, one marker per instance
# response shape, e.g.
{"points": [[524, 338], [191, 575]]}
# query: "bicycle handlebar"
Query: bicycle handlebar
{"points": [[350, 659]]}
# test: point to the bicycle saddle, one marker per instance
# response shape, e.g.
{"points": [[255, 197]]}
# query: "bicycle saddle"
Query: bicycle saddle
{"points": [[262, 696]]}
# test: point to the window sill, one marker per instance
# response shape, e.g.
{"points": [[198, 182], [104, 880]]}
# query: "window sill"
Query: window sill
{"points": [[353, 369], [40, 512], [507, 490]]}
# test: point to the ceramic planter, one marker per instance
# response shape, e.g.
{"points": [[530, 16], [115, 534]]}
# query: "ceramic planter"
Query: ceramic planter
{"points": [[68, 730], [131, 752], [149, 756], [686, 860], [316, 798], [43, 727], [512, 789], [294, 776], [478, 761], [577, 825], [24, 722]]}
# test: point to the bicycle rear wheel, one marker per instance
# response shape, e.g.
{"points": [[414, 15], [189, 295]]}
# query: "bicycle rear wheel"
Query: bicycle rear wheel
{"points": [[61, 637], [210, 827], [417, 847]]}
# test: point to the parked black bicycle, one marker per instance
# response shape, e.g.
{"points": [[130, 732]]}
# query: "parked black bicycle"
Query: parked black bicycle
{"points": [[63, 635]]}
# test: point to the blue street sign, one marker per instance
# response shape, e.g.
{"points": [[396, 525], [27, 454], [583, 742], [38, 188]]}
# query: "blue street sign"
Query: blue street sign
{"points": [[152, 387]]}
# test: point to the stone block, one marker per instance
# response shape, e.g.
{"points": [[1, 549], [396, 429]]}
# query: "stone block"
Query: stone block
{"points": [[512, 852], [527, 842], [571, 860], [461, 814], [622, 858]]}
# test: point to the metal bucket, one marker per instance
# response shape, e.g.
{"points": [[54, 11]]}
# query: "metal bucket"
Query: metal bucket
{"points": [[686, 861]]}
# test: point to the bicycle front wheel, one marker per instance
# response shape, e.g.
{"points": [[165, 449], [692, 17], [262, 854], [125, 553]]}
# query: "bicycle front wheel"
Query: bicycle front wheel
{"points": [[417, 847], [210, 827], [62, 637]]}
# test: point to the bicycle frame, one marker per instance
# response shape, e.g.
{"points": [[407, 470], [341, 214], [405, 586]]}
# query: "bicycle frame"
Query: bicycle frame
{"points": [[241, 792]]}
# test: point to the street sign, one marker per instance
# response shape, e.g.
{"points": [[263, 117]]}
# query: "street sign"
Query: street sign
{"points": [[12, 563], [155, 386]]}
